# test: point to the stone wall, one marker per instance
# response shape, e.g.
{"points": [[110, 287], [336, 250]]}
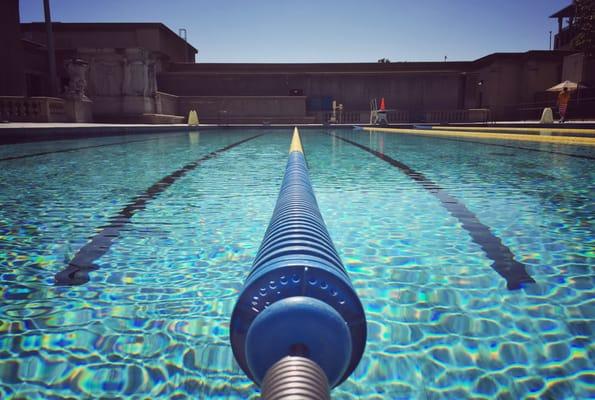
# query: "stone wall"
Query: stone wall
{"points": [[121, 81], [502, 82], [508, 85], [401, 89], [166, 103], [154, 37], [254, 109], [32, 109]]}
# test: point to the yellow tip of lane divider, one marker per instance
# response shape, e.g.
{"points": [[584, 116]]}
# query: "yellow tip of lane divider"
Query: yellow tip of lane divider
{"points": [[545, 131], [578, 141], [296, 143]]}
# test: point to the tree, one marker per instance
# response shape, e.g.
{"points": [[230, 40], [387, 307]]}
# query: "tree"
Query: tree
{"points": [[585, 24]]}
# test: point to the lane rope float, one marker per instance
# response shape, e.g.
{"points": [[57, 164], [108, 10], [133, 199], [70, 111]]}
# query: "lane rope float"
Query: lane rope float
{"points": [[298, 326]]}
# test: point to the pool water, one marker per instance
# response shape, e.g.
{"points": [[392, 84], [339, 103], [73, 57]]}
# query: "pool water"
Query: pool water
{"points": [[153, 319]]}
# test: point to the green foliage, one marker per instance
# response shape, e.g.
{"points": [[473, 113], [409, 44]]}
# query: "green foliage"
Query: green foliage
{"points": [[585, 23]]}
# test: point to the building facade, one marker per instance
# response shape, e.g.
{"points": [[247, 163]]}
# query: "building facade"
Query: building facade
{"points": [[144, 72], [504, 83]]}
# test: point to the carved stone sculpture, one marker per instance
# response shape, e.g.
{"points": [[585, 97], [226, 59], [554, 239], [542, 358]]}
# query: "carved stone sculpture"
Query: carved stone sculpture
{"points": [[77, 83]]}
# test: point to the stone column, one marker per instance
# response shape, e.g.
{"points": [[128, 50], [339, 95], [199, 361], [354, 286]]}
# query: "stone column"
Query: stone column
{"points": [[77, 82]]}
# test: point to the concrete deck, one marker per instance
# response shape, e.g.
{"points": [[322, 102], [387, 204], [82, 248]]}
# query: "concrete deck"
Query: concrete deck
{"points": [[70, 125], [564, 139], [19, 132]]}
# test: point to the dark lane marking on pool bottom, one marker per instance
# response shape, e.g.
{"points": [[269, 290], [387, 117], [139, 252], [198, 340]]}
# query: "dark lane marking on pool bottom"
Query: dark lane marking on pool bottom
{"points": [[509, 146], [503, 260], [76, 149], [77, 271]]}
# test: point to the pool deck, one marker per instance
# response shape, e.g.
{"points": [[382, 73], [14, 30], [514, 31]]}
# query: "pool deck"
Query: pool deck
{"points": [[565, 139], [18, 132], [589, 124]]}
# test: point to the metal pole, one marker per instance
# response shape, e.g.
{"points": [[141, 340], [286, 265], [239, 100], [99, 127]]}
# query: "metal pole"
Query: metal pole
{"points": [[550, 40], [185, 37], [578, 92], [295, 378], [51, 50]]}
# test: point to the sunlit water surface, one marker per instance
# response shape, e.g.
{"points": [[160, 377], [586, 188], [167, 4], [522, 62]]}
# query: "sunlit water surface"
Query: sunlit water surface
{"points": [[153, 321]]}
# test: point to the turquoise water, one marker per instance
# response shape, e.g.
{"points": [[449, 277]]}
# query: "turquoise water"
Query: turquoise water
{"points": [[153, 321]]}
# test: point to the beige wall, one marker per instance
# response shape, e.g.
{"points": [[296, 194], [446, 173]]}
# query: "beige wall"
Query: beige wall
{"points": [[245, 108], [401, 90], [155, 37], [537, 77], [509, 84], [121, 81], [510, 81], [572, 69]]}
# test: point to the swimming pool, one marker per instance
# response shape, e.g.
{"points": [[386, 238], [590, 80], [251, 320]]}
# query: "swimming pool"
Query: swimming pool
{"points": [[190, 210]]}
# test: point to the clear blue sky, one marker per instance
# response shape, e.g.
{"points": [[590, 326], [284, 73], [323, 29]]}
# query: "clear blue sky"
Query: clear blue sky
{"points": [[330, 30]]}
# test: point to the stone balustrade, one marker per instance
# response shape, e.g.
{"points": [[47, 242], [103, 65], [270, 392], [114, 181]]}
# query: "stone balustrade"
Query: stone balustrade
{"points": [[166, 103], [32, 109]]}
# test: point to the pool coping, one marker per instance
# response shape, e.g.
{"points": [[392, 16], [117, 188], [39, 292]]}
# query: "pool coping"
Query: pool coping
{"points": [[15, 132], [562, 140]]}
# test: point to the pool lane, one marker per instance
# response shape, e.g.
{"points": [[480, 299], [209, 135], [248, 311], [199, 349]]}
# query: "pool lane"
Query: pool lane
{"points": [[75, 149], [504, 263], [539, 150], [77, 271], [566, 140]]}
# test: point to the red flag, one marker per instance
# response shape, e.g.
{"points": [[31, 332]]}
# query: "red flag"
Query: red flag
{"points": [[382, 104]]}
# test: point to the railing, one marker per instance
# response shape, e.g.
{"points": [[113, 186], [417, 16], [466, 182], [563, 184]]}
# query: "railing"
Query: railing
{"points": [[32, 109], [470, 115], [446, 116], [166, 103], [397, 116], [358, 117], [582, 107]]}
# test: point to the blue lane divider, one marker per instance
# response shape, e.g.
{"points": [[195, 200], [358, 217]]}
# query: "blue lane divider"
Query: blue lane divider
{"points": [[298, 299]]}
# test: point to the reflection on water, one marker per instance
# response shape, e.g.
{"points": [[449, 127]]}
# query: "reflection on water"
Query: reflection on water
{"points": [[194, 137], [154, 320]]}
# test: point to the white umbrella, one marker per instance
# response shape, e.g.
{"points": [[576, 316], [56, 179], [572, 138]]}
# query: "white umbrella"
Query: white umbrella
{"points": [[566, 84]]}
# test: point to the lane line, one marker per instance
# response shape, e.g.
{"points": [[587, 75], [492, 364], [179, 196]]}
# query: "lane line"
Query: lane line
{"points": [[77, 271], [75, 149], [9, 136], [503, 261], [567, 140]]}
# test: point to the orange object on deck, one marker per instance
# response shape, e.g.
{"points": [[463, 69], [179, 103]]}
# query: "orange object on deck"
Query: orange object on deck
{"points": [[382, 104]]}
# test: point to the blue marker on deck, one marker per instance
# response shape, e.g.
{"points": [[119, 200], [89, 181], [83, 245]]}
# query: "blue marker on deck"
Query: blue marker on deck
{"points": [[298, 318]]}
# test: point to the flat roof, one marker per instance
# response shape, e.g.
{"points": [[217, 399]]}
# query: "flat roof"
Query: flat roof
{"points": [[102, 26], [358, 68], [568, 11]]}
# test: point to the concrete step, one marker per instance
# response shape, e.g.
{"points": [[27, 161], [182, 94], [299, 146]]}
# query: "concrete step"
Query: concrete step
{"points": [[141, 119], [223, 120]]}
